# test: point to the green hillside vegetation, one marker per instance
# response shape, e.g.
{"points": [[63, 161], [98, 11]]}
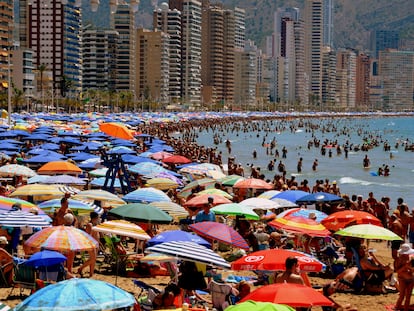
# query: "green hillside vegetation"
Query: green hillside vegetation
{"points": [[354, 19]]}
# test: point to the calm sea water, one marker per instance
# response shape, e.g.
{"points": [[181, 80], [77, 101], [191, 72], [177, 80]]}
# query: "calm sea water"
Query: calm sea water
{"points": [[349, 173]]}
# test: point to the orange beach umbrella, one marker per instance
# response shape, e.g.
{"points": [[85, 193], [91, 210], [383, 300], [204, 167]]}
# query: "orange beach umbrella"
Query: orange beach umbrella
{"points": [[59, 167], [116, 130]]}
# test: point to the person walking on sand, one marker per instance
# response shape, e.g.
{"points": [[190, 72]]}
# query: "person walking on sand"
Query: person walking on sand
{"points": [[404, 266]]}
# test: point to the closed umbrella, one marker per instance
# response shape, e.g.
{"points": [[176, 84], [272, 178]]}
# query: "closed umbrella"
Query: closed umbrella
{"points": [[123, 228], [146, 195], [19, 219], [220, 232], [16, 170], [77, 295], [189, 251], [141, 213]]}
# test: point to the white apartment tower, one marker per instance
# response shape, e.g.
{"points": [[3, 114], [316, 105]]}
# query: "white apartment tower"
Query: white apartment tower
{"points": [[240, 27], [346, 79], [328, 22]]}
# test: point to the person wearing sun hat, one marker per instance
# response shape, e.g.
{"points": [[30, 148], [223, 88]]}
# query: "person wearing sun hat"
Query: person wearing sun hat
{"points": [[404, 266]]}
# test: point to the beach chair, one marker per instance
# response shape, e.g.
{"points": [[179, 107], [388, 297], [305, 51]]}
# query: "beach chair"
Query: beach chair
{"points": [[146, 295], [120, 263], [24, 276], [4, 269]]}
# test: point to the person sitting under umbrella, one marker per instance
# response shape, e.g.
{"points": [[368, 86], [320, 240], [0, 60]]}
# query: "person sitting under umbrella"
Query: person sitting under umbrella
{"points": [[6, 261], [206, 214]]}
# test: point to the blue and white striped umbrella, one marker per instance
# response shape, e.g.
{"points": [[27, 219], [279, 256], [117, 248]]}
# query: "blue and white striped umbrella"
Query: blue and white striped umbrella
{"points": [[146, 195], [81, 207], [189, 251], [17, 219]]}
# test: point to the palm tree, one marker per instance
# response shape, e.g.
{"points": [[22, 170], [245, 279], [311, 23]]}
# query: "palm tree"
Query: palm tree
{"points": [[41, 69]]}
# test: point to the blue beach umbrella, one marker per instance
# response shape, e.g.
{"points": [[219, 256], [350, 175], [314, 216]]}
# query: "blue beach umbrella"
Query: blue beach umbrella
{"points": [[146, 195], [50, 146], [81, 156], [176, 236], [44, 158], [45, 258], [78, 206], [77, 294], [133, 159], [91, 146], [291, 195], [319, 197], [9, 146], [121, 150], [146, 168], [100, 181]]}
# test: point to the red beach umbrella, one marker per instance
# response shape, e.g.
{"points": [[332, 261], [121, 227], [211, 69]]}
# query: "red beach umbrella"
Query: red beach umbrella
{"points": [[200, 200], [342, 219], [176, 159], [253, 183]]}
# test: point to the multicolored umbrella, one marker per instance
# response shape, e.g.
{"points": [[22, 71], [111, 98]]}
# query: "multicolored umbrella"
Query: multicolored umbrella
{"points": [[201, 200], [216, 192], [294, 295], [116, 130], [162, 183], [304, 212], [274, 259], [160, 155], [342, 219], [99, 195], [230, 180], [173, 209], [59, 167], [141, 213], [368, 231], [176, 236], [259, 306], [10, 170], [64, 179], [146, 195], [79, 207], [123, 228], [7, 203], [235, 209], [77, 295], [17, 219], [62, 238], [189, 251], [253, 183], [300, 225], [203, 182], [220, 232]]}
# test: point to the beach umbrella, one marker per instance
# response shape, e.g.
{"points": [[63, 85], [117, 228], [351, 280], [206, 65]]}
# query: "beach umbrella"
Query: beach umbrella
{"points": [[100, 182], [294, 295], [176, 159], [45, 258], [59, 167], [201, 200], [235, 209], [6, 204], [253, 183], [259, 306], [61, 238], [162, 183], [37, 179], [99, 195], [77, 206], [68, 189], [141, 213], [146, 195], [258, 203], [274, 259], [82, 156], [319, 197], [18, 219], [116, 130], [122, 228], [9, 170], [269, 194], [160, 155], [230, 180], [173, 209], [368, 231], [4, 307], [99, 172], [121, 150], [177, 236], [300, 225], [37, 190], [220, 232], [216, 175], [134, 159], [189, 251], [64, 179], [216, 192], [291, 195], [303, 212], [77, 295], [146, 168], [206, 183], [342, 219]]}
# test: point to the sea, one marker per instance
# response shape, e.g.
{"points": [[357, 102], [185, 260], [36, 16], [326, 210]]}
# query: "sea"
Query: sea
{"points": [[348, 172]]}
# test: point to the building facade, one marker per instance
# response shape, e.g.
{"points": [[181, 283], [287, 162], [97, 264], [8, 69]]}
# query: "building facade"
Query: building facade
{"points": [[363, 85], [381, 40], [345, 79]]}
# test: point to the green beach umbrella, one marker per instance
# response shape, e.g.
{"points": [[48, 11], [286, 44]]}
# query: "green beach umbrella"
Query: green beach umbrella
{"points": [[250, 305], [142, 213], [368, 231], [230, 180], [235, 209]]}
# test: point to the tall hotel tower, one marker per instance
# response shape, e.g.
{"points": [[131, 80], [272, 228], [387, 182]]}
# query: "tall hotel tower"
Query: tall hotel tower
{"points": [[53, 31], [190, 49]]}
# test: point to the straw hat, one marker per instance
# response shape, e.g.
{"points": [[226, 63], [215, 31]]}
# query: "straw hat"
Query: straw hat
{"points": [[3, 240], [405, 249]]}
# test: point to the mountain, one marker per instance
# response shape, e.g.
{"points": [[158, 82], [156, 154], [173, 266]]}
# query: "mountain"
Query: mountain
{"points": [[354, 19]]}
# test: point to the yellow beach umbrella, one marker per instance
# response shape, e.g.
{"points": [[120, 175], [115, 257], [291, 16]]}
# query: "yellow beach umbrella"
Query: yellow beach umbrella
{"points": [[215, 191], [99, 195], [161, 183], [37, 190], [123, 228]]}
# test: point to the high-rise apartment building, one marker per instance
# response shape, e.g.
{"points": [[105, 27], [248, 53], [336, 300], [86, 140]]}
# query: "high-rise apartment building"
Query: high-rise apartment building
{"points": [[99, 52], [6, 41], [240, 28], [313, 47], [396, 69], [218, 37], [328, 22], [190, 50], [152, 65], [382, 40], [23, 71], [363, 65], [328, 78], [53, 32], [169, 22], [122, 21], [345, 79]]}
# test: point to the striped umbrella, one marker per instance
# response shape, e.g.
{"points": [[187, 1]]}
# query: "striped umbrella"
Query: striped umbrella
{"points": [[68, 189], [253, 183], [16, 170], [173, 209], [79, 207], [17, 219], [189, 251], [300, 225], [7, 203], [162, 183], [99, 195], [64, 179], [230, 180], [123, 228], [220, 232], [61, 238], [204, 182], [4, 307], [37, 190], [146, 195]]}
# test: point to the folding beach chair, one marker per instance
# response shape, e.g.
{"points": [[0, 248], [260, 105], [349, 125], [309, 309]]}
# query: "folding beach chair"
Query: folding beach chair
{"points": [[24, 276]]}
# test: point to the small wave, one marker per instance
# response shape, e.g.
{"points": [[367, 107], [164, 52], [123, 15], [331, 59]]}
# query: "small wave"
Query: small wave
{"points": [[298, 131], [391, 123], [351, 180]]}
